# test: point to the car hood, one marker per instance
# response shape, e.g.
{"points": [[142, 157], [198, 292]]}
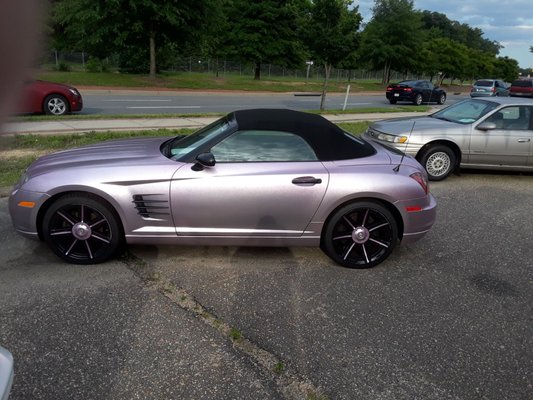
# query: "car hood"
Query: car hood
{"points": [[127, 152], [403, 126]]}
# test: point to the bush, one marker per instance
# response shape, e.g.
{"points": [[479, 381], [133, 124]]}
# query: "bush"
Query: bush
{"points": [[64, 67], [93, 65]]}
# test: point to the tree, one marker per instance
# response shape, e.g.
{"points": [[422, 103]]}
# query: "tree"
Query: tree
{"points": [[332, 34], [264, 31], [390, 38], [506, 68], [127, 27]]}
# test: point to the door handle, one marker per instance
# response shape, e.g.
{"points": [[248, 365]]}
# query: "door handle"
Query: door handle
{"points": [[306, 180], [524, 140]]}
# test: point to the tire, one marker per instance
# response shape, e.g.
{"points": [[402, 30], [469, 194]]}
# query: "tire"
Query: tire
{"points": [[360, 235], [82, 229], [442, 99], [55, 104], [392, 101], [439, 162], [418, 100]]}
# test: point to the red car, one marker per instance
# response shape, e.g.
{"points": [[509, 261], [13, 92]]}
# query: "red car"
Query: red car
{"points": [[522, 88], [49, 98]]}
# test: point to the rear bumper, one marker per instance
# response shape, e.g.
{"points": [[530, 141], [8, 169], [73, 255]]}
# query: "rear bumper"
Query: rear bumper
{"points": [[400, 97], [418, 223]]}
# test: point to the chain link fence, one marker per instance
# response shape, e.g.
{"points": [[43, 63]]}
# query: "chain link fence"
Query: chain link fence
{"points": [[82, 61]]}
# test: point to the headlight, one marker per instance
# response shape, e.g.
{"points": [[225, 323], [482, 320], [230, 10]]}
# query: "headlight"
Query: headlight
{"points": [[391, 138], [74, 92]]}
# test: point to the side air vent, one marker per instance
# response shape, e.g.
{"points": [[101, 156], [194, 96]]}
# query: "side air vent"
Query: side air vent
{"points": [[151, 205]]}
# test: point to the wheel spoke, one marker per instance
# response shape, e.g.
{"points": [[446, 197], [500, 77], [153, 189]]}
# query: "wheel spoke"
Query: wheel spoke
{"points": [[71, 247], [349, 251], [101, 238], [380, 243], [365, 217], [378, 226], [61, 232], [97, 223], [345, 217], [366, 255], [343, 237], [89, 249], [66, 218], [82, 213]]}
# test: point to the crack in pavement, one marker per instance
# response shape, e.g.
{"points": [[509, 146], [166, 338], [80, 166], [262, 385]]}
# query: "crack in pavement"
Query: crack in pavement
{"points": [[292, 386]]}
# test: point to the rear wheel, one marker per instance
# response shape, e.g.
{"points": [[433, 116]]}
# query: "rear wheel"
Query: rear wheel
{"points": [[360, 235], [392, 101], [439, 162], [82, 229], [418, 100], [442, 99]]}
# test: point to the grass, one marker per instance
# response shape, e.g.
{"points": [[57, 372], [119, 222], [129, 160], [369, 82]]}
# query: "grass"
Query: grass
{"points": [[19, 151], [206, 81]]}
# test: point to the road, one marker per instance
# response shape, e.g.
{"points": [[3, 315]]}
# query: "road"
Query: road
{"points": [[150, 102], [448, 317]]}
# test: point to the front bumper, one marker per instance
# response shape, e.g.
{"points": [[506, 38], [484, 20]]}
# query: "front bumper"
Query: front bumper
{"points": [[24, 208]]}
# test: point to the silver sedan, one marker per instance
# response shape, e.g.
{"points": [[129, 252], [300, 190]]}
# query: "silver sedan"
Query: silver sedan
{"points": [[491, 133]]}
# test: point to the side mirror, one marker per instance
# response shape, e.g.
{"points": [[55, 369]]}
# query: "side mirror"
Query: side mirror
{"points": [[204, 160], [486, 126]]}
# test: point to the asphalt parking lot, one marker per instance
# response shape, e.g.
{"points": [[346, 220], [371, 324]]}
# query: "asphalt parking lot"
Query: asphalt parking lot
{"points": [[448, 317]]}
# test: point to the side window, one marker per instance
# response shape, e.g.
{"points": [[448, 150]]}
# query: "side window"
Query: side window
{"points": [[512, 118], [263, 146]]}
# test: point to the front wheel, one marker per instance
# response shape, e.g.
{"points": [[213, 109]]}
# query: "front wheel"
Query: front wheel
{"points": [[439, 162], [82, 229], [360, 235], [442, 99], [55, 104], [418, 100]]}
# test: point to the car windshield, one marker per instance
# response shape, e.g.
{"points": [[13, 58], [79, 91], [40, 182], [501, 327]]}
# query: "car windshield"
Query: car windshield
{"points": [[465, 112], [183, 145]]}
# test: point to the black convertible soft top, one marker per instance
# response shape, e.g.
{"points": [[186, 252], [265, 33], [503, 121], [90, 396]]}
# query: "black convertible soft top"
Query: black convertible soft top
{"points": [[327, 140]]}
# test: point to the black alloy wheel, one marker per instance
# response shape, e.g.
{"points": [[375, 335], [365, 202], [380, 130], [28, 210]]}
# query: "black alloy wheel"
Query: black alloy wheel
{"points": [[82, 229], [418, 100], [360, 235]]}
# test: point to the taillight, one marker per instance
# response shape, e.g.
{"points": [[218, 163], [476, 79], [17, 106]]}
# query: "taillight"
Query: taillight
{"points": [[389, 88], [417, 176], [408, 89]]}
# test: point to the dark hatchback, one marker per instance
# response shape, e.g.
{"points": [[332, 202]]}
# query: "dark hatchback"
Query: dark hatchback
{"points": [[416, 92]]}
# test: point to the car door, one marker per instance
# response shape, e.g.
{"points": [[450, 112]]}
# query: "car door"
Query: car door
{"points": [[509, 143], [263, 183]]}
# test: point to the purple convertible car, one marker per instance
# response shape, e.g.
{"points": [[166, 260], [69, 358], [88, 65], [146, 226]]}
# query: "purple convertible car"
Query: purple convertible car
{"points": [[252, 178]]}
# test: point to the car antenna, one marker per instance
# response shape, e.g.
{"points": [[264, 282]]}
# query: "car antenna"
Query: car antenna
{"points": [[397, 168]]}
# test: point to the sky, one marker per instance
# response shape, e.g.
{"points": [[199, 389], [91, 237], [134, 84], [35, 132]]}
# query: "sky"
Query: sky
{"points": [[509, 22]]}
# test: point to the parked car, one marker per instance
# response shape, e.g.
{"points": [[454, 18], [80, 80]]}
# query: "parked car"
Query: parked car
{"points": [[6, 373], [522, 88], [416, 92], [252, 178], [489, 87], [493, 133], [48, 98]]}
